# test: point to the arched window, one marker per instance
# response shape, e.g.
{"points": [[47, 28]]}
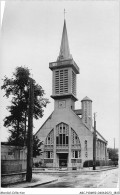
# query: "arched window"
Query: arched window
{"points": [[50, 138], [76, 146], [49, 145], [74, 138], [62, 134]]}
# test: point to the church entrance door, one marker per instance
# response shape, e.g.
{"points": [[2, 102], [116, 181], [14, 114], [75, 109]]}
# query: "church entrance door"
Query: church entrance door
{"points": [[63, 159]]}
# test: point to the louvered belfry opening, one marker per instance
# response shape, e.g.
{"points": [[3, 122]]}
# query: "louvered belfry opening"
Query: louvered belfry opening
{"points": [[73, 83], [61, 81]]}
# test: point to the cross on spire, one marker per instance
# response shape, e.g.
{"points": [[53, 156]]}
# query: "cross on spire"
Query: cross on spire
{"points": [[64, 14]]}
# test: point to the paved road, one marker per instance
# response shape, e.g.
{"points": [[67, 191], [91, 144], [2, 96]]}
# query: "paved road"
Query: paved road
{"points": [[103, 179]]}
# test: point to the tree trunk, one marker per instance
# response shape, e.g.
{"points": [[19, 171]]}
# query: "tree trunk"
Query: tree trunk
{"points": [[25, 130]]}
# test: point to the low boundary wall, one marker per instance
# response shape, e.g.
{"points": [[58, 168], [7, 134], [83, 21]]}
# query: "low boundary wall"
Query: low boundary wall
{"points": [[11, 178], [13, 166]]}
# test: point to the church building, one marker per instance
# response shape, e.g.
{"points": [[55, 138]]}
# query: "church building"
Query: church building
{"points": [[67, 134]]}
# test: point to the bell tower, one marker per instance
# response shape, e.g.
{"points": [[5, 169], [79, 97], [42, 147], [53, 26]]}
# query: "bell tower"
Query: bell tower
{"points": [[64, 75]]}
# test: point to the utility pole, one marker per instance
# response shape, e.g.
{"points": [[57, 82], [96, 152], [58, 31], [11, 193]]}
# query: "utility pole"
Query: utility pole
{"points": [[30, 133], [114, 144], [114, 153], [94, 143]]}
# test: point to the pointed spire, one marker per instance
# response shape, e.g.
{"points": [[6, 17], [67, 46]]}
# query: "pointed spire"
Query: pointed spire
{"points": [[64, 49]]}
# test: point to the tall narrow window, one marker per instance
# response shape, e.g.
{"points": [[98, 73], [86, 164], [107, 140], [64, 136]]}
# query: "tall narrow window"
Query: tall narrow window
{"points": [[79, 153], [72, 154], [57, 140], [66, 139], [85, 111], [48, 154], [85, 144], [86, 152], [60, 139], [76, 154], [63, 139]]}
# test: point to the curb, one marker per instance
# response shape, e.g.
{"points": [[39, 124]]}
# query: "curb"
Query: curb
{"points": [[103, 169], [38, 184], [80, 171], [32, 184]]}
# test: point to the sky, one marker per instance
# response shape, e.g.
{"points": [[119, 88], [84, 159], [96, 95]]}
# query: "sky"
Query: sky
{"points": [[31, 36]]}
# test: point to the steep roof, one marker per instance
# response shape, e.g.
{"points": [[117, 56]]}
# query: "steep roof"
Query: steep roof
{"points": [[64, 49], [44, 123], [99, 136]]}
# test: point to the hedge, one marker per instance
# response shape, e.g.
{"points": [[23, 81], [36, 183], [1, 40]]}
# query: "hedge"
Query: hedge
{"points": [[89, 163]]}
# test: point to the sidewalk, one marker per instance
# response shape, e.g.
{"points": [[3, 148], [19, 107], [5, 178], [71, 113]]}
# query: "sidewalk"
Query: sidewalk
{"points": [[87, 169], [42, 176], [37, 179]]}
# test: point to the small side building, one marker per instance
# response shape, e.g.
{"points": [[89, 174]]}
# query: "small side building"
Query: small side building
{"points": [[13, 158]]}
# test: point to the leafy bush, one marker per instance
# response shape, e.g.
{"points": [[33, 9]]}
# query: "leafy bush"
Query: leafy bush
{"points": [[36, 164], [89, 163], [43, 165]]}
